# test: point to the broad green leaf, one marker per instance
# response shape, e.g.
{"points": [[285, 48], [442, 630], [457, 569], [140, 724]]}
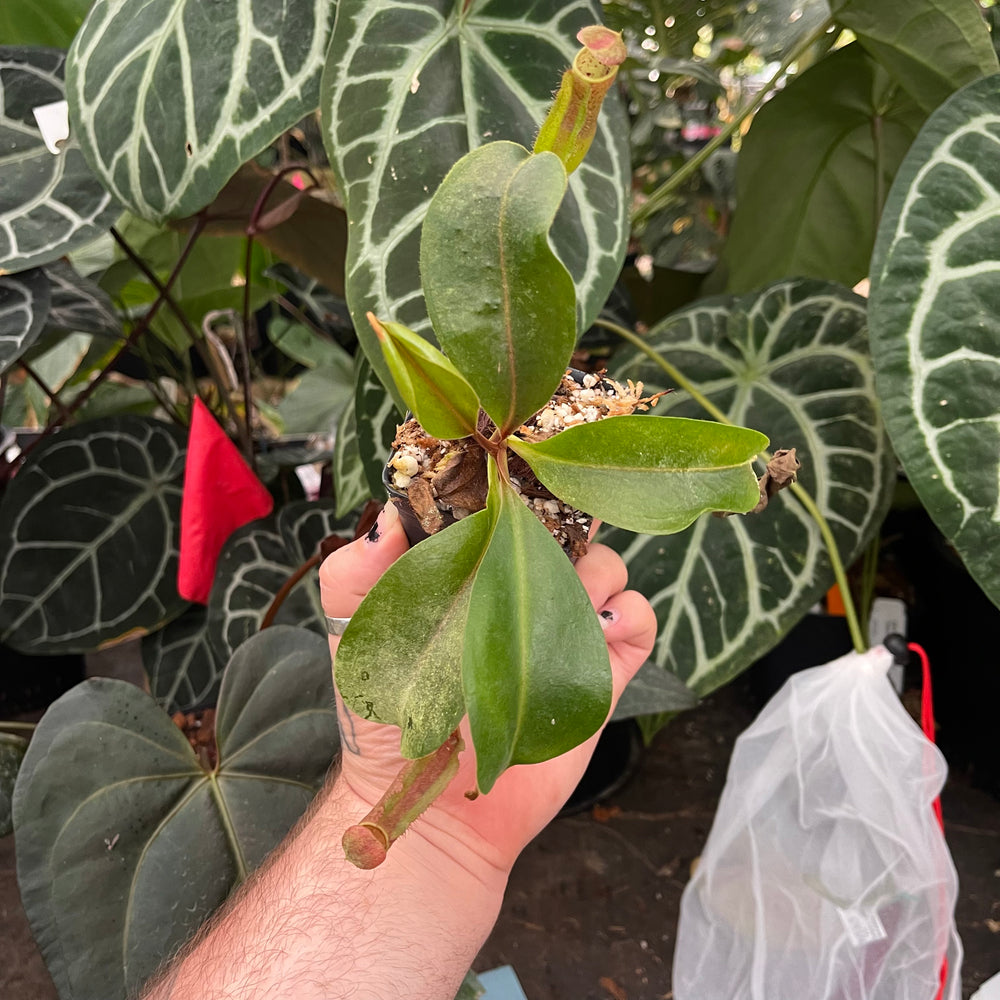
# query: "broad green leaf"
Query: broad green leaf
{"points": [[350, 484], [170, 97], [501, 303], [408, 89], [317, 399], [431, 386], [78, 304], [935, 323], [24, 307], [535, 668], [376, 419], [183, 671], [931, 47], [126, 844], [11, 754], [813, 170], [654, 691], [48, 204], [654, 474], [42, 22], [791, 360], [400, 660], [89, 535], [256, 562], [306, 346]]}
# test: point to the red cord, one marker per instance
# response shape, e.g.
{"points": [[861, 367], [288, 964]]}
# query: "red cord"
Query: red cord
{"points": [[927, 725]]}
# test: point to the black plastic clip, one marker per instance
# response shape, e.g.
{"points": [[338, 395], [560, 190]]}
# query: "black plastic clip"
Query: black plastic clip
{"points": [[896, 644]]}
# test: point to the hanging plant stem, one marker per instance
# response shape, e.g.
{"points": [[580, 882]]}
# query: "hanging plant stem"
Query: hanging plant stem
{"points": [[801, 494]]}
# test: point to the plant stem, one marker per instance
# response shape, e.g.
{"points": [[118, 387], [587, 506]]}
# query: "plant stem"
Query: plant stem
{"points": [[53, 397], [24, 726], [286, 589], [801, 494], [662, 196]]}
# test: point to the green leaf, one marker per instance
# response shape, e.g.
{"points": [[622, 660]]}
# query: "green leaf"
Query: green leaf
{"points": [[318, 398], [89, 536], [24, 306], [431, 386], [125, 844], [792, 360], [169, 97], [48, 204], [42, 22], [256, 561], [535, 667], [471, 988], [653, 474], [654, 692], [812, 172], [376, 418], [935, 330], [78, 304], [408, 89], [11, 754], [400, 660], [501, 303], [350, 484], [183, 671], [305, 346], [931, 47]]}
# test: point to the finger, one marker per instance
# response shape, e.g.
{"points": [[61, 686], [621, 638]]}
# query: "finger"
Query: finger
{"points": [[629, 624], [602, 574], [349, 573]]}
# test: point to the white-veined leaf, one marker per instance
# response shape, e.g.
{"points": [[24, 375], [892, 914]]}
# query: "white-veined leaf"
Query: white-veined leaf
{"points": [[25, 300]]}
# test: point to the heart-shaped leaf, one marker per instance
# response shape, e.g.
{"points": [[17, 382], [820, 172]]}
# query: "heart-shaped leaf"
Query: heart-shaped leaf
{"points": [[11, 754], [535, 668], [24, 306], [501, 303], [257, 560], [238, 74], [791, 360], [49, 204], [183, 671], [408, 89], [78, 305], [935, 329], [432, 388], [930, 48], [654, 474], [89, 536], [812, 169], [400, 660], [126, 843]]}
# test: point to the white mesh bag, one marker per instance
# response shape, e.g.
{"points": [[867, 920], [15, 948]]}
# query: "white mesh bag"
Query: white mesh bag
{"points": [[825, 875]]}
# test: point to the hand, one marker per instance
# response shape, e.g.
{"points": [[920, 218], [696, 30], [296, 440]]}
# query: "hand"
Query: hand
{"points": [[494, 828]]}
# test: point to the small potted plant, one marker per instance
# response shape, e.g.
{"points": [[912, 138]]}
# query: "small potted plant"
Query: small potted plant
{"points": [[488, 618]]}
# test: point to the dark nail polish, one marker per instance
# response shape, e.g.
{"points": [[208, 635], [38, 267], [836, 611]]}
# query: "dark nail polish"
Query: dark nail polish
{"points": [[373, 533], [608, 616]]}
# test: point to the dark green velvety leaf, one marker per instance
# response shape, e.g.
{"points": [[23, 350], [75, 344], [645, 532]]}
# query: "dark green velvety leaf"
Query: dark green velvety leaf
{"points": [[350, 484], [400, 660], [653, 474], [48, 204], [183, 671], [256, 562], [653, 692], [813, 170], [24, 306], [125, 844], [376, 418], [535, 667], [432, 388], [89, 530], [11, 754], [791, 360], [408, 89], [930, 47], [935, 323], [500, 302], [238, 73], [78, 304]]}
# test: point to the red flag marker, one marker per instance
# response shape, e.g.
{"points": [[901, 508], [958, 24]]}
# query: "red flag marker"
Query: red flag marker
{"points": [[221, 494]]}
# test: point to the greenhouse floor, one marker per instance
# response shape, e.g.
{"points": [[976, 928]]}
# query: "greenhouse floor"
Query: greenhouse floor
{"points": [[591, 911]]}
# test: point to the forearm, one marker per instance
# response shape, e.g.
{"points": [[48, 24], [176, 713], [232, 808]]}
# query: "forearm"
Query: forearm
{"points": [[310, 924]]}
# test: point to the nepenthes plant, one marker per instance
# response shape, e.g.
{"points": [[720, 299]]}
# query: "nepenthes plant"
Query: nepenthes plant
{"points": [[516, 455]]}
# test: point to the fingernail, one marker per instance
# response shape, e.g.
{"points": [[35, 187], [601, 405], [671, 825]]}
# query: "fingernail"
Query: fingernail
{"points": [[608, 617], [386, 519]]}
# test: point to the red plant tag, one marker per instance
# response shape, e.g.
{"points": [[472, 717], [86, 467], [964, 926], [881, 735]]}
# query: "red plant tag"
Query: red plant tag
{"points": [[221, 494]]}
